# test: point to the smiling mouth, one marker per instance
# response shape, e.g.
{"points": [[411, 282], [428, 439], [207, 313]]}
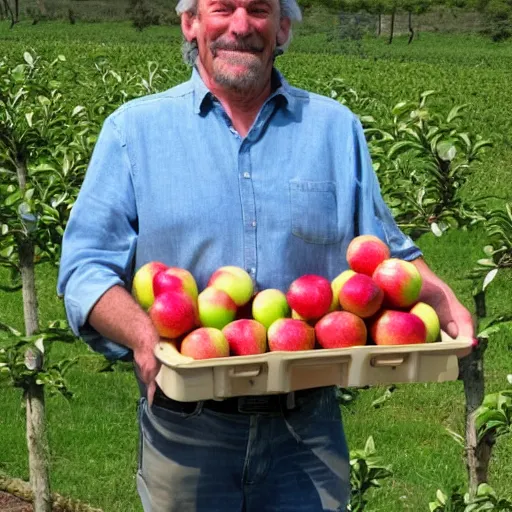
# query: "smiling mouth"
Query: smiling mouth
{"points": [[235, 48]]}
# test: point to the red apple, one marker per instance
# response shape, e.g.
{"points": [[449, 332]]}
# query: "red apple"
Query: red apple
{"points": [[340, 329], [205, 343], [361, 295], [401, 282], [290, 335], [142, 286], [173, 314], [365, 253], [246, 337], [397, 328], [310, 296], [175, 279]]}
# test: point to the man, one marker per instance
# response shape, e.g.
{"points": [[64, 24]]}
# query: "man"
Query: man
{"points": [[234, 167]]}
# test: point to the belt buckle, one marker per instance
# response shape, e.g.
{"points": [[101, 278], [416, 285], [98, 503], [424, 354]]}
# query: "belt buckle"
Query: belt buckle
{"points": [[264, 405]]}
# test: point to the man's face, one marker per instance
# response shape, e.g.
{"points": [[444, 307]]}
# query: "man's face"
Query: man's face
{"points": [[236, 40]]}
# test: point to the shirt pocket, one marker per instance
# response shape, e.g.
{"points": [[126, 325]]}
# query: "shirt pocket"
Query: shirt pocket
{"points": [[314, 211]]}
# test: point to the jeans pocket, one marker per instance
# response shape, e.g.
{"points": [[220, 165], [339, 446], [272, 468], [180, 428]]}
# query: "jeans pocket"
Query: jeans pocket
{"points": [[314, 211], [166, 415]]}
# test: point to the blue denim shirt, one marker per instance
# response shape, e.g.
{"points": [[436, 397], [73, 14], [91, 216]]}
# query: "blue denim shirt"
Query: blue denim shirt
{"points": [[171, 180]]}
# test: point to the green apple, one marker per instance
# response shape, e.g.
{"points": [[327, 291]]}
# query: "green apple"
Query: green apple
{"points": [[429, 316], [142, 286], [269, 305], [235, 281]]}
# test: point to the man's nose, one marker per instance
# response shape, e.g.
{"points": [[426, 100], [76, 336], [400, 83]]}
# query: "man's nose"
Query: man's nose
{"points": [[240, 24]]}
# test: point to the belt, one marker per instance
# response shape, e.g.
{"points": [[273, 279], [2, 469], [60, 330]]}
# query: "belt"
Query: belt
{"points": [[259, 404]]}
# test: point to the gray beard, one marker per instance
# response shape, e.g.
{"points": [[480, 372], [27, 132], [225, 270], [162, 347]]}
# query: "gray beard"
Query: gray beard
{"points": [[240, 83]]}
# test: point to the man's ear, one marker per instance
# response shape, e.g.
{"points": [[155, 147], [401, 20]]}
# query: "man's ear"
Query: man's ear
{"points": [[284, 31], [189, 26]]}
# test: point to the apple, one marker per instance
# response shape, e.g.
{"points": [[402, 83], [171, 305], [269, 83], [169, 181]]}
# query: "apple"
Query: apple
{"points": [[401, 282], [290, 335], [246, 337], [365, 253], [429, 316], [205, 343], [175, 279], [340, 329], [173, 314], [392, 327], [215, 308], [361, 295], [310, 296], [235, 281], [142, 286], [269, 305], [336, 285]]}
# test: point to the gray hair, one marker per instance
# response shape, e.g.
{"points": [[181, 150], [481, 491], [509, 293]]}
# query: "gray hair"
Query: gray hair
{"points": [[289, 9]]}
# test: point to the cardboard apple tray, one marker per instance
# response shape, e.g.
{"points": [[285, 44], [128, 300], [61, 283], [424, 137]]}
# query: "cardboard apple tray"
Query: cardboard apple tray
{"points": [[186, 379]]}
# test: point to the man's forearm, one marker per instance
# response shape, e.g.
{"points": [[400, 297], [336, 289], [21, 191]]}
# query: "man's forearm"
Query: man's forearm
{"points": [[118, 317]]}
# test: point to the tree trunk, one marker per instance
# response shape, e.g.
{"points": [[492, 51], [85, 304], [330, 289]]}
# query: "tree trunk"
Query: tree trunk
{"points": [[38, 449], [379, 25], [42, 7], [17, 10], [391, 28], [478, 453], [34, 395], [8, 11], [471, 372], [411, 30]]}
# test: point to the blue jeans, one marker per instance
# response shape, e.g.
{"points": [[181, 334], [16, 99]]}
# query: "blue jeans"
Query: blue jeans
{"points": [[208, 461]]}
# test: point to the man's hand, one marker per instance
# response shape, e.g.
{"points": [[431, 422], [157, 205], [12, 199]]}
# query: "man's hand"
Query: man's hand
{"points": [[147, 367], [454, 318], [117, 316]]}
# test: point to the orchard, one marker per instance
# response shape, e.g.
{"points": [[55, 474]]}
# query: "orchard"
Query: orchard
{"points": [[424, 446]]}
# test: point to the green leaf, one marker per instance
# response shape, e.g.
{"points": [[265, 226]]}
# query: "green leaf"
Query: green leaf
{"points": [[441, 497], [13, 198], [486, 262], [446, 150], [489, 277], [44, 101], [434, 227], [77, 110], [29, 117], [485, 490], [455, 112], [18, 73], [28, 59], [5, 229]]}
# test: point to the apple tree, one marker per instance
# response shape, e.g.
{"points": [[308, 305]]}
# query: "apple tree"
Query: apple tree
{"points": [[44, 146]]}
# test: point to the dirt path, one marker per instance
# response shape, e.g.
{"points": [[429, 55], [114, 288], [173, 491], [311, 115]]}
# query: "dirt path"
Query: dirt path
{"points": [[10, 503]]}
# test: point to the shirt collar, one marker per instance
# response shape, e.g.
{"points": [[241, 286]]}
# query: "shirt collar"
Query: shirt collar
{"points": [[281, 88]]}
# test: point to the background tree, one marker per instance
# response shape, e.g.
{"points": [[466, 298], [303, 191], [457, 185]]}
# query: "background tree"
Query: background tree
{"points": [[42, 162]]}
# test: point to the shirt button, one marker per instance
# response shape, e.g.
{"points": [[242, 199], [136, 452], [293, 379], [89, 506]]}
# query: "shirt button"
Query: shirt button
{"points": [[253, 223], [247, 175]]}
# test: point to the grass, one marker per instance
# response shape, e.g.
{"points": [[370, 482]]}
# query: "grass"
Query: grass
{"points": [[94, 437]]}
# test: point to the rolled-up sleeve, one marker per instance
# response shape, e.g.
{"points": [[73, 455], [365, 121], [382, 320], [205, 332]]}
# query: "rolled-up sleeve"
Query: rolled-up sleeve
{"points": [[372, 214], [100, 238]]}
